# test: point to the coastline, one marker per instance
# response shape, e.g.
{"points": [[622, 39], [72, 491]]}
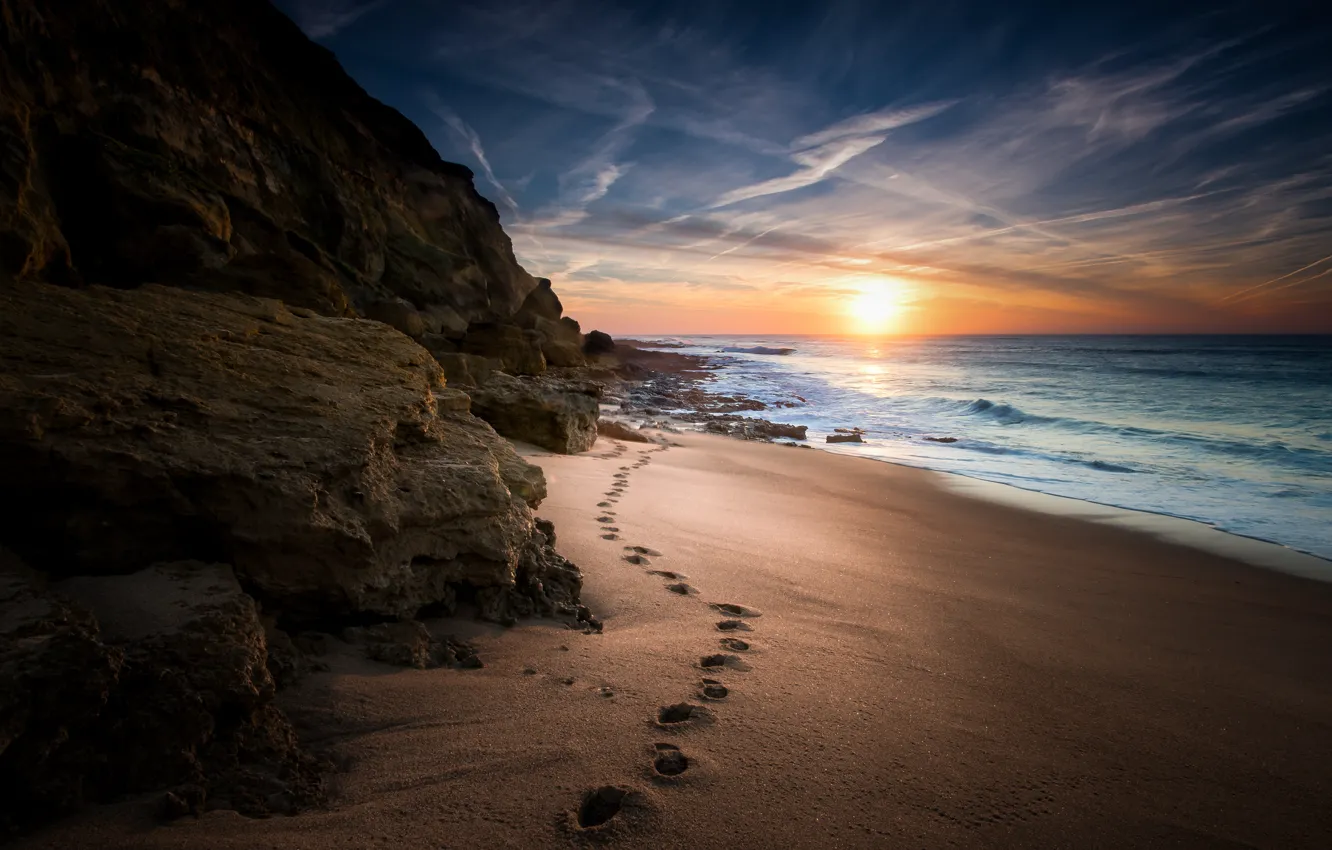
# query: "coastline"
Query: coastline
{"points": [[922, 668], [691, 372]]}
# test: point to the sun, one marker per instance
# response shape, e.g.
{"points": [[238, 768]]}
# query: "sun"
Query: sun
{"points": [[878, 308]]}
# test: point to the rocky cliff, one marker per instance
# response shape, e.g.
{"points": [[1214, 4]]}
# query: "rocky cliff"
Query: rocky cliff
{"points": [[213, 145], [233, 290]]}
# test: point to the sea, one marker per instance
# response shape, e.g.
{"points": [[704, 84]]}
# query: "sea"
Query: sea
{"points": [[1232, 431]]}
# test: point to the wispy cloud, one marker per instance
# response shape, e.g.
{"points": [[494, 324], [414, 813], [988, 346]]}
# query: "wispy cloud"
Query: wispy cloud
{"points": [[320, 19], [1173, 173], [473, 143]]}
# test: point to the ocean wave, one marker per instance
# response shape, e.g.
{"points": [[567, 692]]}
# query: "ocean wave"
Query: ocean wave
{"points": [[1004, 414], [757, 349]]}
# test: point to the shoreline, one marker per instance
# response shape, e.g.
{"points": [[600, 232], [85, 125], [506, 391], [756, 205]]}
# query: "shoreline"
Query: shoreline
{"points": [[915, 667], [1189, 531]]}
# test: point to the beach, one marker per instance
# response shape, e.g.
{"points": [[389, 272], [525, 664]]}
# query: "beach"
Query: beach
{"points": [[916, 668]]}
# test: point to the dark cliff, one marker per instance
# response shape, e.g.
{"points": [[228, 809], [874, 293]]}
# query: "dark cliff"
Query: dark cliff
{"points": [[213, 145], [213, 433]]}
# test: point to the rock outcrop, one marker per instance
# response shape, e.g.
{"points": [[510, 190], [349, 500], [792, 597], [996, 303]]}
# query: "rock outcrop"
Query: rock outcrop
{"points": [[324, 458], [614, 430], [598, 342], [247, 161], [561, 338], [171, 692], [559, 415]]}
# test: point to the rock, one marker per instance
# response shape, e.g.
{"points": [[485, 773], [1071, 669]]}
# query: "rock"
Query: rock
{"points": [[844, 438], [940, 439], [754, 429], [467, 370], [597, 342], [541, 303], [397, 313], [289, 276], [561, 341], [323, 457], [848, 431], [519, 352], [193, 704], [620, 431], [56, 677], [409, 643], [444, 321], [130, 160], [557, 415]]}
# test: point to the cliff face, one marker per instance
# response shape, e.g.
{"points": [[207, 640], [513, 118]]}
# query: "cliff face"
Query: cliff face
{"points": [[212, 243], [213, 145]]}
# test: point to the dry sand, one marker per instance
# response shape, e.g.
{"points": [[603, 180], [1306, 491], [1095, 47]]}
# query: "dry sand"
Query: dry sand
{"points": [[928, 670]]}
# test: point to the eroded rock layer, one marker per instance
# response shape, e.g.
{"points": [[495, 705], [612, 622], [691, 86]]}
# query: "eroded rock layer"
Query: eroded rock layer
{"points": [[324, 458]]}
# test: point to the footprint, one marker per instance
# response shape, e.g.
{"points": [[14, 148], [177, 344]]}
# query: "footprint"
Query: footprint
{"points": [[610, 537], [712, 689], [600, 805], [721, 659], [620, 475], [735, 644], [639, 560], [609, 528], [681, 712], [669, 760], [736, 610], [682, 589], [643, 550], [734, 626], [604, 504], [624, 469], [605, 518], [673, 576]]}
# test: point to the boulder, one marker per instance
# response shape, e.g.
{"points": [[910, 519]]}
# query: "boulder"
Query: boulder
{"points": [[844, 438], [56, 677], [519, 351], [561, 341], [192, 707], [597, 342], [554, 414], [324, 458], [613, 430], [754, 429]]}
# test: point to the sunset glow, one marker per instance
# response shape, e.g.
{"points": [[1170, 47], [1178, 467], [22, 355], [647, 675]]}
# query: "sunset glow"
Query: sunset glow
{"points": [[878, 309], [1124, 179]]}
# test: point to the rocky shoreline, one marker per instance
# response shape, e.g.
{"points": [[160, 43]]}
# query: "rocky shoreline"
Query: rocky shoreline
{"points": [[668, 391]]}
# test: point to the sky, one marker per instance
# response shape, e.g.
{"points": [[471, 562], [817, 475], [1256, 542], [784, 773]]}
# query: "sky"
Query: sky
{"points": [[881, 167]]}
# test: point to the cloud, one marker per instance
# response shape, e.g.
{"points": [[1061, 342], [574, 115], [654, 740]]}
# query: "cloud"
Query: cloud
{"points": [[320, 19], [473, 142], [872, 123]]}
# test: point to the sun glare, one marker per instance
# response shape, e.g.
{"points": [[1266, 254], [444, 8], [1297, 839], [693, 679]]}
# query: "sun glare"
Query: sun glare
{"points": [[878, 308]]}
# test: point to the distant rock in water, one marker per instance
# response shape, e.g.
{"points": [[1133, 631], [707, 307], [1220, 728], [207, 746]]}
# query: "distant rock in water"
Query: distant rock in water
{"points": [[940, 439], [758, 349], [845, 438]]}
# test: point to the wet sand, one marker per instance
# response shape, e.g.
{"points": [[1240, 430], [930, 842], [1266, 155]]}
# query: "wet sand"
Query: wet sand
{"points": [[915, 668]]}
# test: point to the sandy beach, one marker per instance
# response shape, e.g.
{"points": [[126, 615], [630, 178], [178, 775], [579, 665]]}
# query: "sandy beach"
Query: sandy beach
{"points": [[914, 668]]}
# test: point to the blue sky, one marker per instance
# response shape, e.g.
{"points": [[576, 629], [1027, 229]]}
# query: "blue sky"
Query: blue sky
{"points": [[981, 167]]}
